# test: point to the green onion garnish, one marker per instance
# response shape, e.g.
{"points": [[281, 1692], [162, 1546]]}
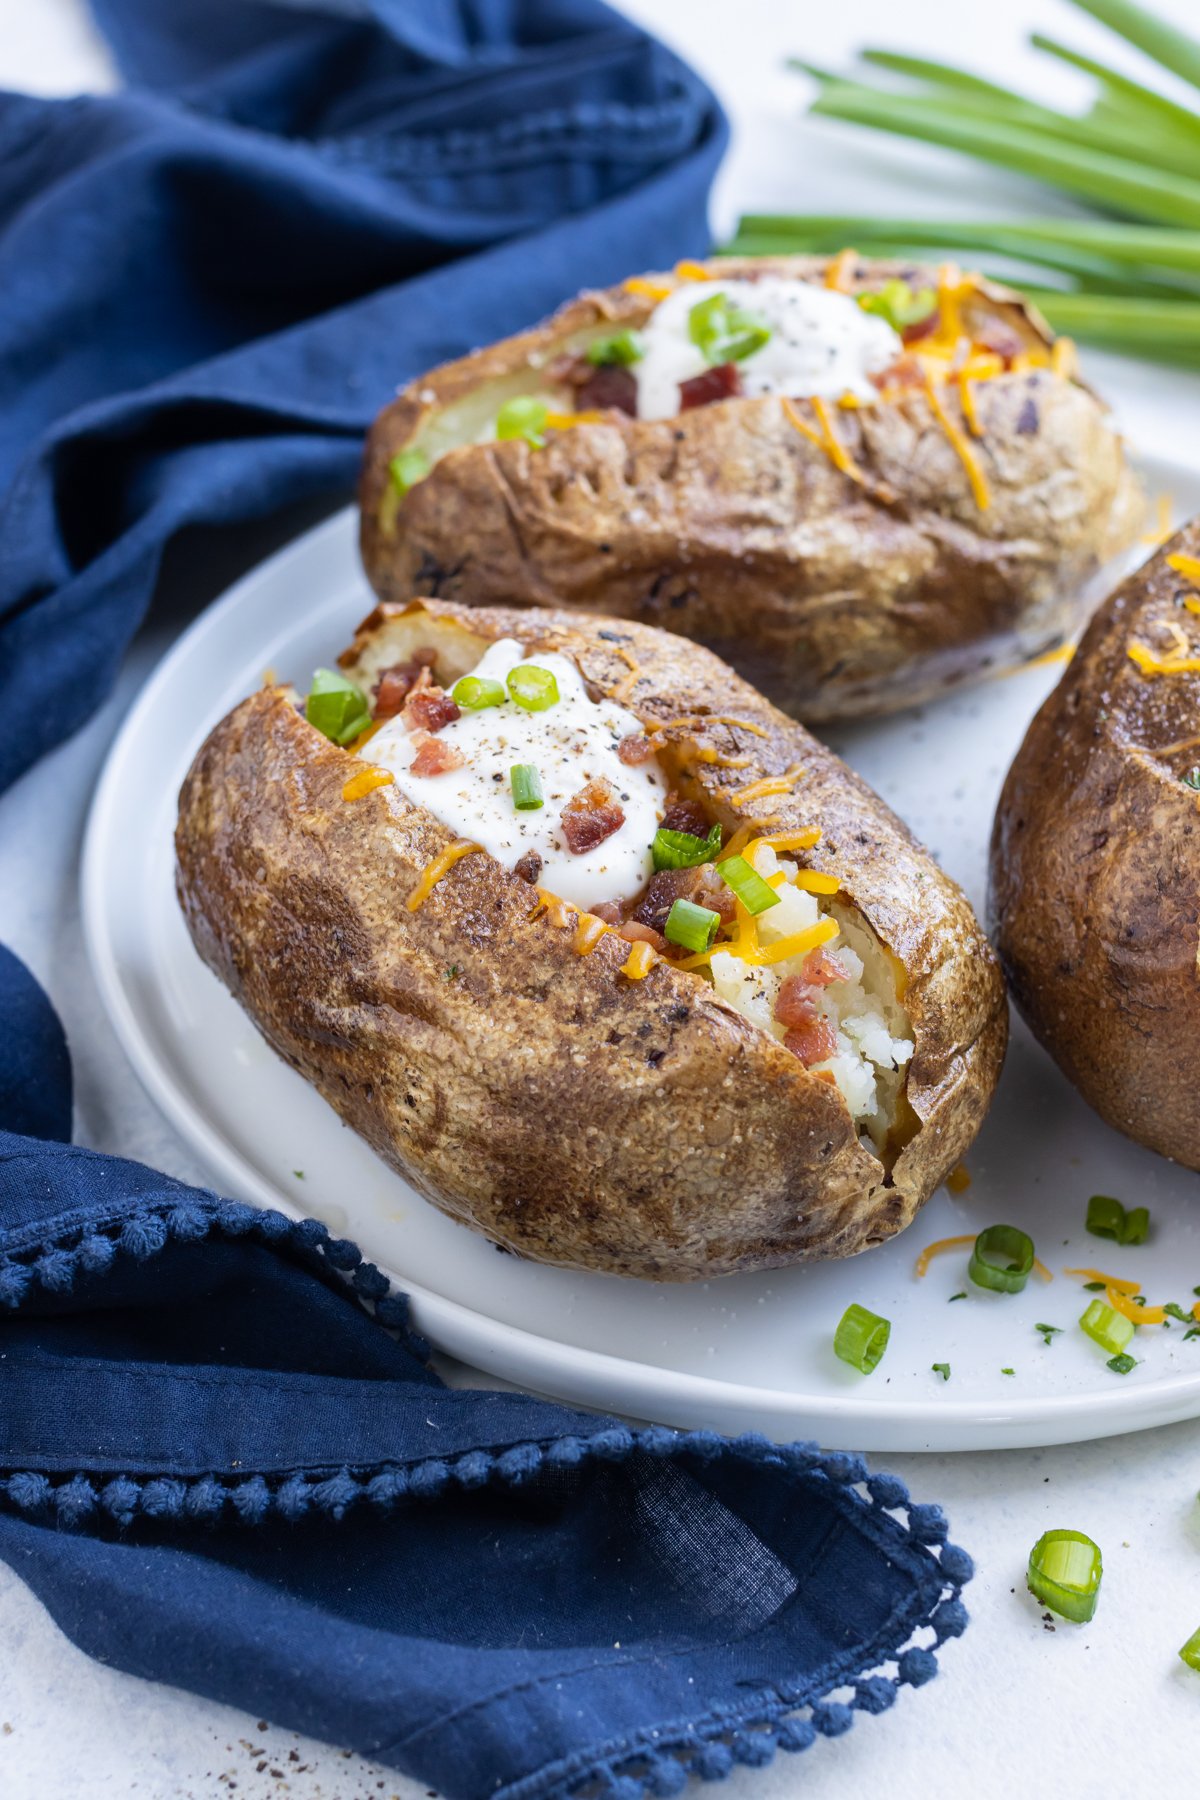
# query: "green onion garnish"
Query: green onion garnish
{"points": [[1094, 1287], [336, 707], [1065, 1570], [1121, 1365], [861, 1338], [523, 417], [899, 305], [623, 348], [1048, 1331], [407, 469], [1191, 779], [1107, 1218], [1173, 1309], [755, 894], [692, 927], [526, 787], [1001, 1259], [474, 692], [532, 687], [1107, 1327], [724, 333], [1008, 1371], [1190, 1652], [682, 850], [942, 1369]]}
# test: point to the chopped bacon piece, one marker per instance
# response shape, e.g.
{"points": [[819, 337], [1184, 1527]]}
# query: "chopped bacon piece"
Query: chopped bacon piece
{"points": [[906, 372], [397, 683], [702, 886], [528, 867], [608, 910], [609, 386], [921, 328], [590, 816], [634, 932], [721, 383], [685, 815], [635, 749], [820, 968], [812, 1043], [429, 708], [796, 1003], [436, 757], [568, 370], [1001, 339]]}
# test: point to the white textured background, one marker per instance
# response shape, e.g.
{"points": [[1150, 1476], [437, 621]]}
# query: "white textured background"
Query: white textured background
{"points": [[1018, 1709]]}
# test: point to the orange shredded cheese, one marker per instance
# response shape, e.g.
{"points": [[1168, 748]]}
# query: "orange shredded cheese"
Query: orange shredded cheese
{"points": [[565, 421], [689, 721], [628, 682], [795, 840], [837, 452], [746, 947], [1148, 662], [705, 755], [441, 865], [1141, 1315], [959, 445], [737, 842], [641, 959], [770, 784], [959, 1179], [588, 933], [365, 782], [649, 290], [1187, 566], [1196, 1310], [556, 910], [938, 1248], [1162, 521], [966, 395], [950, 288], [1111, 1281], [688, 270], [800, 424], [837, 273], [1063, 358], [814, 882]]}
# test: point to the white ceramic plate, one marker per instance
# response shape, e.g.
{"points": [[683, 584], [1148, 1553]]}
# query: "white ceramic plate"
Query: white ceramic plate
{"points": [[749, 1352]]}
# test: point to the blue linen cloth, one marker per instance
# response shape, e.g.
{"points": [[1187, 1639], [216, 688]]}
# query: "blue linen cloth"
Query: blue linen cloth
{"points": [[225, 1463]]}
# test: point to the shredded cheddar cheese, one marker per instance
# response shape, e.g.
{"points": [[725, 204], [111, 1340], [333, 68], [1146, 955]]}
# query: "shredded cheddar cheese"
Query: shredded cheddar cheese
{"points": [[565, 421], [959, 1179], [1162, 521], [813, 882], [938, 1248], [769, 784], [966, 395], [648, 290], [959, 445], [556, 910], [588, 933], [441, 865], [365, 782], [794, 840], [826, 438], [1063, 357], [641, 959], [837, 274], [737, 842], [691, 720], [747, 948], [1150, 663], [705, 755], [687, 270], [628, 682], [1141, 1315], [801, 425], [1187, 566]]}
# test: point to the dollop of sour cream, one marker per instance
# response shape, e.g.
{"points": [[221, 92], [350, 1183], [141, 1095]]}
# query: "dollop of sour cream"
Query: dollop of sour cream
{"points": [[569, 744], [822, 343]]}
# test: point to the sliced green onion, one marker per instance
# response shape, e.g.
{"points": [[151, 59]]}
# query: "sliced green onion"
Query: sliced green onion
{"points": [[724, 333], [1121, 1365], [1107, 1327], [336, 707], [407, 469], [861, 1338], [1190, 1652], [526, 787], [1107, 1218], [623, 348], [899, 305], [1065, 1571], [683, 850], [942, 1369], [1048, 1331], [691, 926], [532, 687], [755, 894], [523, 417], [474, 692], [1001, 1259]]}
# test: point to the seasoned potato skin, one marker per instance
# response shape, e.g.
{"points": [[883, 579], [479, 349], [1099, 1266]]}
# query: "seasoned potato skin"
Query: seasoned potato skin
{"points": [[728, 526], [1095, 869], [573, 1114]]}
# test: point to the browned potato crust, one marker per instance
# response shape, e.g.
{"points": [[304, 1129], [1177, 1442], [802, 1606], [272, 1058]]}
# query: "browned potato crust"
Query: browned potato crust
{"points": [[729, 526], [1095, 871], [573, 1114]]}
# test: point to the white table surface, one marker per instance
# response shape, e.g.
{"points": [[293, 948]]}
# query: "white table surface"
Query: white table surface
{"points": [[1018, 1708]]}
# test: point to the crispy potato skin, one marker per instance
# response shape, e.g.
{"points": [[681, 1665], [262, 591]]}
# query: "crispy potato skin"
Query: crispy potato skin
{"points": [[572, 1114], [1095, 870], [728, 526]]}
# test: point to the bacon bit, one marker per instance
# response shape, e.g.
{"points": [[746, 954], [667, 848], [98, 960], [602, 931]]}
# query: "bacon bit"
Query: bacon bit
{"points": [[590, 816], [685, 815], [634, 932], [365, 782], [837, 272], [905, 373], [687, 270], [610, 388], [590, 929], [796, 1002], [429, 709], [640, 961], [959, 1179], [701, 885], [528, 867], [812, 1043], [396, 684], [720, 383], [922, 328], [821, 969], [435, 757], [1000, 339], [634, 750], [441, 865]]}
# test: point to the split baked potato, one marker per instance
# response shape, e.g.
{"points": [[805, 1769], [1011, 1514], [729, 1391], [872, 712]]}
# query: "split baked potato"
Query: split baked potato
{"points": [[1095, 860], [698, 1004], [860, 482]]}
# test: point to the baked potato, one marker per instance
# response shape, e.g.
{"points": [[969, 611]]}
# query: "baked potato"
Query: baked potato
{"points": [[890, 482], [605, 955], [1095, 860]]}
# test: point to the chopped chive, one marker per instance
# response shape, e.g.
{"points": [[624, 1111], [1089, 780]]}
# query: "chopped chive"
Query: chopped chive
{"points": [[755, 894], [1001, 1259], [622, 348], [523, 417], [861, 1338], [532, 687], [336, 707], [1093, 1287], [1107, 1327], [1065, 1572], [1048, 1331], [299, 1174], [961, 1296], [683, 850], [692, 927], [1008, 1371], [1175, 1311], [406, 469], [474, 692], [1121, 1365], [526, 787], [1190, 1652], [1194, 1332], [942, 1369]]}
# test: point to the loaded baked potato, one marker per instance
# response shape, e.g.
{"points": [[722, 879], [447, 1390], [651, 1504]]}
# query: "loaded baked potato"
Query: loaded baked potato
{"points": [[860, 482], [1095, 863], [604, 954]]}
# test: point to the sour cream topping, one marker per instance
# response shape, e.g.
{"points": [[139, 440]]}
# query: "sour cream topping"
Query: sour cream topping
{"points": [[570, 743], [822, 343]]}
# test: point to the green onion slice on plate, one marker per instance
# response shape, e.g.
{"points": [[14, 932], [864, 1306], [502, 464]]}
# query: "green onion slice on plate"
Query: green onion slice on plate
{"points": [[861, 1338], [532, 687], [1107, 1218], [526, 787], [692, 927], [1002, 1259], [474, 692], [1190, 1652], [1065, 1571], [336, 707], [755, 894], [683, 850], [1107, 1327]]}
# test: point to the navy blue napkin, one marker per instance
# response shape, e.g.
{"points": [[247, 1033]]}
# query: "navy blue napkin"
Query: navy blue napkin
{"points": [[225, 1463], [211, 282]]}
